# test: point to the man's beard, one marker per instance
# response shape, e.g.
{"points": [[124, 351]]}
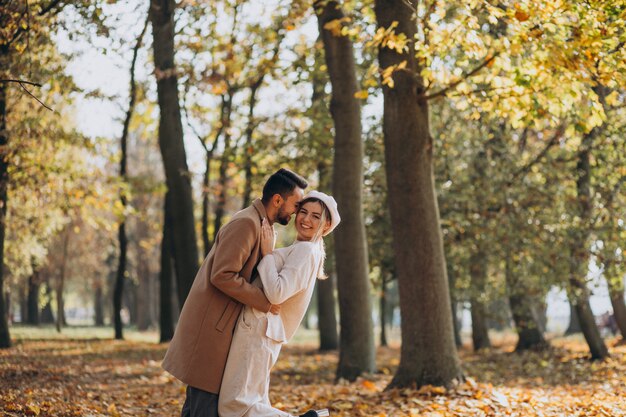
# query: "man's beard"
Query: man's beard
{"points": [[282, 217]]}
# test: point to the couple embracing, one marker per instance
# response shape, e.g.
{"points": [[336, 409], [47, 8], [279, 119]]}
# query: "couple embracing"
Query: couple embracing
{"points": [[248, 299]]}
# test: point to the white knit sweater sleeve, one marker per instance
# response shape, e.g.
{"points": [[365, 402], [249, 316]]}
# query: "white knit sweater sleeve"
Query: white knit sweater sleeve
{"points": [[293, 277]]}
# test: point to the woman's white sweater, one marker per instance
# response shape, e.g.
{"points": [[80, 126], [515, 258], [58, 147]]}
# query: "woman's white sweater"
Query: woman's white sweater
{"points": [[288, 276]]}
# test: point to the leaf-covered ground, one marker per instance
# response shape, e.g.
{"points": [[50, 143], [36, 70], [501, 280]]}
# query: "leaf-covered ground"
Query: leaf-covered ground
{"points": [[95, 377]]}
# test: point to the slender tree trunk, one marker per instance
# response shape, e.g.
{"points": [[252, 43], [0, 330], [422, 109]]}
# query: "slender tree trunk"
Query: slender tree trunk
{"points": [[327, 322], [527, 326], [357, 350], [478, 272], [33, 299], [206, 182], [428, 353], [249, 148], [166, 316], [98, 304], [579, 251], [61, 284], [5, 337], [185, 249], [619, 308], [220, 207], [118, 292], [456, 326], [23, 293], [47, 315], [326, 303], [574, 324], [478, 259], [326, 300], [383, 312]]}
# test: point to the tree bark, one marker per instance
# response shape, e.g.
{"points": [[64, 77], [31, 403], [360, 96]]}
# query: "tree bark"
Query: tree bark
{"points": [[574, 324], [428, 353], [478, 272], [5, 337], [528, 328], [185, 249], [619, 307], [206, 182], [579, 251], [60, 318], [47, 315], [356, 348], [383, 312], [23, 294], [166, 317], [326, 303], [456, 326], [249, 149], [220, 206], [33, 299], [98, 304], [118, 292]]}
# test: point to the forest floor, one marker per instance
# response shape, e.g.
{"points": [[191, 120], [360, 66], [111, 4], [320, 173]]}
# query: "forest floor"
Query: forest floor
{"points": [[77, 375]]}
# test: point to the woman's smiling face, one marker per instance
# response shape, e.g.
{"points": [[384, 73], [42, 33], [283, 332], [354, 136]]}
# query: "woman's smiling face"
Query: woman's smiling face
{"points": [[308, 220]]}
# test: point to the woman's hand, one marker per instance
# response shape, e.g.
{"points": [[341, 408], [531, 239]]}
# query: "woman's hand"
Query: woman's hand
{"points": [[268, 239]]}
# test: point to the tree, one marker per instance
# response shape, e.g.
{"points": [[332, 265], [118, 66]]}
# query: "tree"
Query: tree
{"points": [[428, 353], [123, 239], [357, 353], [184, 245]]}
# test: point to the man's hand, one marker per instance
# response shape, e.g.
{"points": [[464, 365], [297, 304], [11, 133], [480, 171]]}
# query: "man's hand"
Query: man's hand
{"points": [[268, 239], [275, 309]]}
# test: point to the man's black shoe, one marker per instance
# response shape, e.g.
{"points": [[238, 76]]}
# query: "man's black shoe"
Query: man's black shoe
{"points": [[310, 413]]}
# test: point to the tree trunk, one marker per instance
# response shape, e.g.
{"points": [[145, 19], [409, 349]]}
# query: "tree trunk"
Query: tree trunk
{"points": [[327, 317], [185, 249], [220, 206], [206, 182], [456, 326], [23, 292], [249, 149], [47, 315], [33, 299], [144, 294], [383, 312], [574, 324], [5, 337], [356, 348], [478, 272], [579, 251], [528, 328], [166, 318], [98, 306], [326, 303], [118, 291], [60, 322], [619, 308], [428, 353]]}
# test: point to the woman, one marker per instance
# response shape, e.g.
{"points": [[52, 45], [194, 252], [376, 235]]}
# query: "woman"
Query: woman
{"points": [[287, 276]]}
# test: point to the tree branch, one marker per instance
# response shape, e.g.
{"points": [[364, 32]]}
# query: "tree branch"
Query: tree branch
{"points": [[553, 140], [20, 82], [32, 95], [49, 7], [488, 59]]}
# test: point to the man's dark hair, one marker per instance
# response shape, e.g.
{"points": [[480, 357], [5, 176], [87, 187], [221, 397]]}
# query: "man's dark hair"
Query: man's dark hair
{"points": [[282, 182]]}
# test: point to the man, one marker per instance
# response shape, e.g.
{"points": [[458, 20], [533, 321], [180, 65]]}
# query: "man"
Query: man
{"points": [[198, 352]]}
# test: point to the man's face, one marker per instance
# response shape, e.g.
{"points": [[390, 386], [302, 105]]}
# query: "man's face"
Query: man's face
{"points": [[289, 206]]}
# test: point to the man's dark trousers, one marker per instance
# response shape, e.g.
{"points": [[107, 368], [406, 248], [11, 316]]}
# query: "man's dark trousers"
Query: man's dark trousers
{"points": [[199, 403]]}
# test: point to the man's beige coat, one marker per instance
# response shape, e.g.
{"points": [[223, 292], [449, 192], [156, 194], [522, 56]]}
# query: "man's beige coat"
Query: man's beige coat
{"points": [[197, 354]]}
